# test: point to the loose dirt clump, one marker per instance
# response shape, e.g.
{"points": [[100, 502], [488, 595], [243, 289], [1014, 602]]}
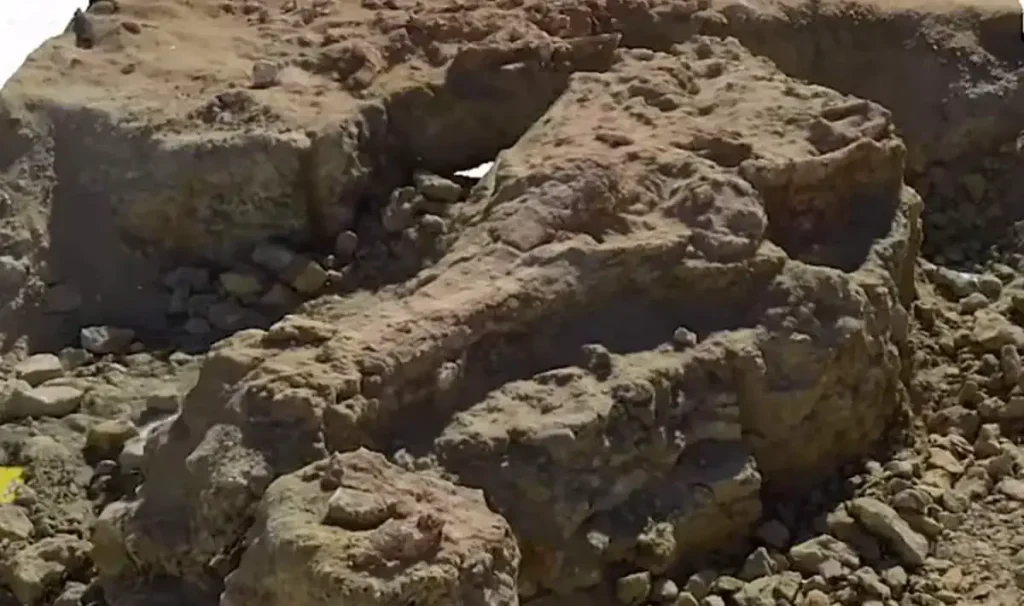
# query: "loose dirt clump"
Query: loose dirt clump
{"points": [[733, 317]]}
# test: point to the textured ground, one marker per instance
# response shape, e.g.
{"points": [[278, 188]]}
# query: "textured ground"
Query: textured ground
{"points": [[732, 319]]}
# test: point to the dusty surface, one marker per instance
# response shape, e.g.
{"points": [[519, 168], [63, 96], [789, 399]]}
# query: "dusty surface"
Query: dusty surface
{"points": [[704, 334]]}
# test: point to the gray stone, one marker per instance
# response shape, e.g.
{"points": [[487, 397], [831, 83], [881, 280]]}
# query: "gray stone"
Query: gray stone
{"points": [[13, 273], [39, 368], [353, 509], [1012, 488], [686, 599], [774, 534], [758, 564], [265, 74], [108, 437], [883, 521], [345, 246], [273, 257], [165, 399], [189, 279], [132, 454], [665, 591], [106, 339], [39, 568]]}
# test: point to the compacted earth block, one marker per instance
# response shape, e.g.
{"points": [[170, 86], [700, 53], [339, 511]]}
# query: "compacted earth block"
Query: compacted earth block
{"points": [[732, 315]]}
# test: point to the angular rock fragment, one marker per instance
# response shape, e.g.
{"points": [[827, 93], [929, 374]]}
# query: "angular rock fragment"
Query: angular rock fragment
{"points": [[39, 368], [883, 521], [106, 339]]}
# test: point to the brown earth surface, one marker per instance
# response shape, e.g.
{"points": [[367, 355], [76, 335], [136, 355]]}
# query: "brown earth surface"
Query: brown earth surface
{"points": [[734, 318]]}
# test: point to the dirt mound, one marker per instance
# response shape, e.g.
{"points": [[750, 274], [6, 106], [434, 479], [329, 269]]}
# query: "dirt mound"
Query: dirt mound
{"points": [[684, 297]]}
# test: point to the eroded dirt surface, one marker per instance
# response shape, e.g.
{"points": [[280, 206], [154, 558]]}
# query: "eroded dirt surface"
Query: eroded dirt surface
{"points": [[732, 319]]}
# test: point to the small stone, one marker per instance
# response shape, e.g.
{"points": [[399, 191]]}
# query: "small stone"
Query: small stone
{"points": [[987, 443], [816, 597], [106, 339], [436, 188], [684, 338], [1012, 488], [39, 368], [102, 7], [758, 564], [699, 583], [896, 578], [309, 278], [883, 521], [106, 438], [597, 359], [433, 224], [280, 297], [1010, 361], [39, 568], [106, 467], [346, 245], [975, 185], [240, 284], [42, 401], [73, 591], [686, 599], [809, 557], [15, 524], [164, 400], [665, 591], [356, 510], [633, 589], [973, 302], [397, 216], [132, 454], [265, 74]]}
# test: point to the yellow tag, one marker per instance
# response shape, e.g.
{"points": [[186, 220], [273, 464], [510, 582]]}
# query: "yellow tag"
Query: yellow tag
{"points": [[10, 479]]}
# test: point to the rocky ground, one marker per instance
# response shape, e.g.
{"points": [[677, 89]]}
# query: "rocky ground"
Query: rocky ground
{"points": [[734, 317]]}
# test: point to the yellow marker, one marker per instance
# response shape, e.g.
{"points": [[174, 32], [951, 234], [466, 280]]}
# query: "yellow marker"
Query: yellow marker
{"points": [[10, 479]]}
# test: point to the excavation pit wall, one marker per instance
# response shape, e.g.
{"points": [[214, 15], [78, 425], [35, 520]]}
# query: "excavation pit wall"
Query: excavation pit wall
{"points": [[710, 402]]}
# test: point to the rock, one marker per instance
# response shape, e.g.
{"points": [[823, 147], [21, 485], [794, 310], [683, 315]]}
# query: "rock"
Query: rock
{"points": [[816, 597], [686, 599], [39, 368], [38, 568], [808, 557], [42, 401], [436, 188], [308, 277], [699, 583], [188, 279], [107, 438], [664, 591], [243, 285], [758, 564], [73, 593], [197, 327], [1009, 359], [13, 273], [883, 521], [15, 524], [132, 454], [354, 509], [106, 339], [346, 245], [440, 542], [684, 338], [265, 74], [1012, 488], [973, 302], [992, 331], [280, 297], [633, 589]]}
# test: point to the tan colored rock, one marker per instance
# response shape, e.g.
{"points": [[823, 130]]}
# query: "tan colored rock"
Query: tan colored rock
{"points": [[43, 401], [37, 569], [886, 523], [438, 543], [39, 368]]}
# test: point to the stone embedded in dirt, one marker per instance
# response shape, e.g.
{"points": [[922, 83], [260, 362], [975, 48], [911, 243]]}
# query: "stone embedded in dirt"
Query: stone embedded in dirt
{"points": [[265, 74], [106, 339], [15, 524], [439, 542], [886, 523], [354, 509], [39, 368], [164, 400], [37, 569], [42, 401], [132, 454], [436, 188]]}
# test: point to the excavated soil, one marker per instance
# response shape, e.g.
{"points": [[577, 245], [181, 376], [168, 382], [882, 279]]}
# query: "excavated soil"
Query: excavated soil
{"points": [[733, 318]]}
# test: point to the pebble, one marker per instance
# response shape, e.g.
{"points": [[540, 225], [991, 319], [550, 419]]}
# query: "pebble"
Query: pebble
{"points": [[265, 74], [106, 339], [883, 521], [42, 401], [436, 188]]}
